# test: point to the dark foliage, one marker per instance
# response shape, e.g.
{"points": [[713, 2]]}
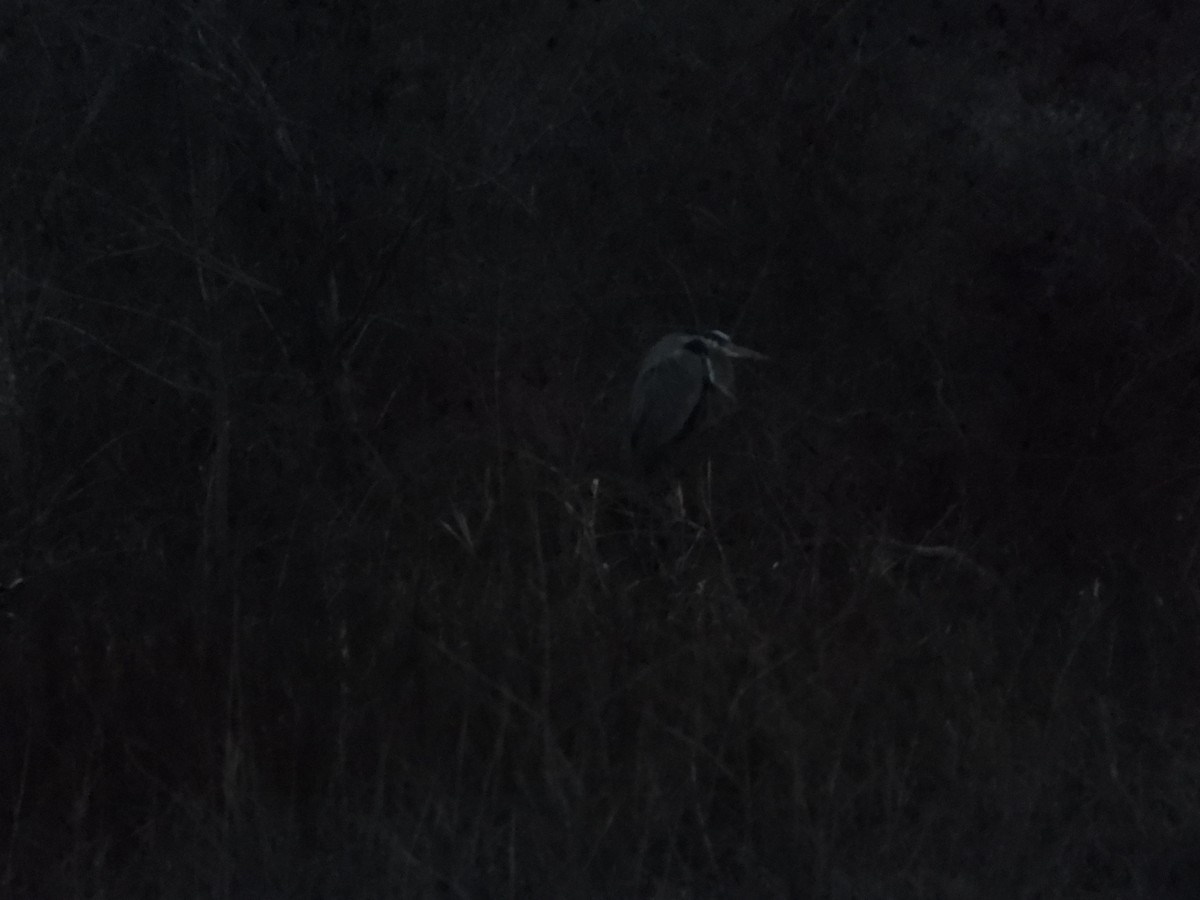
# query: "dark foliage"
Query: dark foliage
{"points": [[324, 577]]}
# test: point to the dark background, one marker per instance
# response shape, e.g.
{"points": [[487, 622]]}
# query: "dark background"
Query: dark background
{"points": [[318, 326]]}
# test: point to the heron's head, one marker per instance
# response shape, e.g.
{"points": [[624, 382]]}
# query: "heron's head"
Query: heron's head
{"points": [[718, 352], [718, 342]]}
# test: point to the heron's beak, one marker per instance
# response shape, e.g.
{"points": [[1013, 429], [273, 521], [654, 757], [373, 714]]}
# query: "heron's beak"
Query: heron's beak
{"points": [[744, 352]]}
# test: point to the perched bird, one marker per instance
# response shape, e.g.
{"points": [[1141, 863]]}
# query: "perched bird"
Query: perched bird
{"points": [[685, 384]]}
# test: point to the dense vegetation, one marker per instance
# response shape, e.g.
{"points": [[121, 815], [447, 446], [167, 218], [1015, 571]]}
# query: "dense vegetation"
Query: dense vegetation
{"points": [[317, 324]]}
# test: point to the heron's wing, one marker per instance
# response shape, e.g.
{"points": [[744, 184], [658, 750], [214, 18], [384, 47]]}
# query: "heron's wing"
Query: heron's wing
{"points": [[666, 396]]}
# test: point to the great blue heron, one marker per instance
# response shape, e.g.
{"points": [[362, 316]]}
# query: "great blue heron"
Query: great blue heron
{"points": [[685, 383]]}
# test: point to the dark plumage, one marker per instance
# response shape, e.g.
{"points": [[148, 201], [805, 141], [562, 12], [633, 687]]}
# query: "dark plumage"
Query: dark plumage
{"points": [[684, 384]]}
